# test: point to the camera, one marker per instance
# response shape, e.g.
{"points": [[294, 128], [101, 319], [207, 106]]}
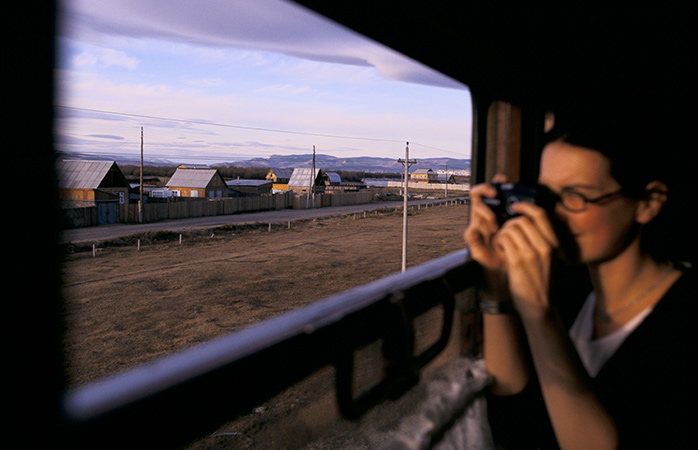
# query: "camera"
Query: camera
{"points": [[507, 195]]}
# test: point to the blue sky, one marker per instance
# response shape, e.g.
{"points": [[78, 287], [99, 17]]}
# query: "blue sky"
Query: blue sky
{"points": [[215, 81]]}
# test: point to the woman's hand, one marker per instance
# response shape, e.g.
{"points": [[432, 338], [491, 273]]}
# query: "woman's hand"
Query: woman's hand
{"points": [[479, 235], [526, 244], [480, 238]]}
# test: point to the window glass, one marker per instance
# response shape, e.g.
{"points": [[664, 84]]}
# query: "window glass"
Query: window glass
{"points": [[252, 90]]}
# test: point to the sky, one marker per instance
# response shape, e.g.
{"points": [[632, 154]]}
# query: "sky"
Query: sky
{"points": [[216, 81]]}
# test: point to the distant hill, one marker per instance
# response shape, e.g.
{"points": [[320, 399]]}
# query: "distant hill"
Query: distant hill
{"points": [[325, 162], [121, 160], [359, 163]]}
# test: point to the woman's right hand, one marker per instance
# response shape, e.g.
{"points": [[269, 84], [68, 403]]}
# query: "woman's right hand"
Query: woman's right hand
{"points": [[480, 239], [483, 226]]}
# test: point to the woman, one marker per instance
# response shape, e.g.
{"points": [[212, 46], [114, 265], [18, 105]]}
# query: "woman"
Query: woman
{"points": [[617, 371]]}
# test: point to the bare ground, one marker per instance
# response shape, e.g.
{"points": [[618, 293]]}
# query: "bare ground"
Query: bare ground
{"points": [[126, 305]]}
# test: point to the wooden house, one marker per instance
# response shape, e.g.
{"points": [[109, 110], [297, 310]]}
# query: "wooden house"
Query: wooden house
{"points": [[445, 178], [332, 179], [91, 182], [280, 178], [193, 166], [423, 176], [243, 187], [203, 183], [303, 179]]}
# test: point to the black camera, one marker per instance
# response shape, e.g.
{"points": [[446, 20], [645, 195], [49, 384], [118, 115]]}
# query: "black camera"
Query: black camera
{"points": [[509, 194]]}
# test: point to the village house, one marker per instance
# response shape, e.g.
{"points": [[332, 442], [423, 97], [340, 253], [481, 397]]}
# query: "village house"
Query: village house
{"points": [[242, 187], [332, 179], [280, 178], [302, 179], [193, 166], [423, 176], [93, 184], [91, 181], [445, 178], [202, 183]]}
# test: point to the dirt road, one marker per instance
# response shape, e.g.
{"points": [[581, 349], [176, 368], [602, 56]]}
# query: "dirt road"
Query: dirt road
{"points": [[125, 305], [103, 232]]}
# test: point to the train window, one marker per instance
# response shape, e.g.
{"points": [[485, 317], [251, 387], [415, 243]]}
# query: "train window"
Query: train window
{"points": [[238, 89]]}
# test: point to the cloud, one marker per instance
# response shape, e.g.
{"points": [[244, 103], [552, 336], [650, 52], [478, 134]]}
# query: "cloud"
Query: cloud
{"points": [[271, 25], [106, 136], [285, 88], [85, 59], [105, 57]]}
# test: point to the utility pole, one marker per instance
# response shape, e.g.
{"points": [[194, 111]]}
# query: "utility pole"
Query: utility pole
{"points": [[311, 185], [312, 178], [406, 163], [140, 199]]}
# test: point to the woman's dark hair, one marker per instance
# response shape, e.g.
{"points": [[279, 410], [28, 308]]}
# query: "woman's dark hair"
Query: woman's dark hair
{"points": [[642, 145]]}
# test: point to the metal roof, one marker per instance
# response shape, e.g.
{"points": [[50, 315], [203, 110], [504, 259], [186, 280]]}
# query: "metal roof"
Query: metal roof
{"points": [[192, 178], [246, 182], [193, 166], [75, 174], [302, 177], [334, 177], [282, 173]]}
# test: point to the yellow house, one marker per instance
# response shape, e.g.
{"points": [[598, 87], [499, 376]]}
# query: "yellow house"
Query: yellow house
{"points": [[423, 176], [203, 183], [91, 181], [280, 178]]}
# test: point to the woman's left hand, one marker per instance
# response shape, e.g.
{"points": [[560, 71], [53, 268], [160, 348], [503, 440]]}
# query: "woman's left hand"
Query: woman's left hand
{"points": [[526, 244]]}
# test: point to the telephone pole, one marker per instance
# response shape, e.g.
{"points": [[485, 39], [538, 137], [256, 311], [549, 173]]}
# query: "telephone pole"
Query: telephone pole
{"points": [[311, 186], [406, 163], [312, 178], [140, 197]]}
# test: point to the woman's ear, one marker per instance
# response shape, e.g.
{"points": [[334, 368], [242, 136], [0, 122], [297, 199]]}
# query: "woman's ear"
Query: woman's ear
{"points": [[651, 206]]}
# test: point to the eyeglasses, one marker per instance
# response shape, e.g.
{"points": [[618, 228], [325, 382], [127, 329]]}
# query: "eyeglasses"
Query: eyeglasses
{"points": [[574, 201]]}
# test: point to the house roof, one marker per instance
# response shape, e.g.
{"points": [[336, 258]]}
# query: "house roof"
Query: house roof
{"points": [[281, 173], [192, 178], [423, 171], [81, 174], [193, 166], [248, 183], [302, 177], [334, 177]]}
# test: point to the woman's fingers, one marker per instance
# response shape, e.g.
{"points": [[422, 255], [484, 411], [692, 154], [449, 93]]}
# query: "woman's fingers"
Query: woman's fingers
{"points": [[499, 178], [539, 217], [526, 254], [482, 226], [483, 223]]}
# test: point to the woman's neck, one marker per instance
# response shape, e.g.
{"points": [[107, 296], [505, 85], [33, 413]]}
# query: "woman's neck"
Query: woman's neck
{"points": [[626, 285], [614, 278]]}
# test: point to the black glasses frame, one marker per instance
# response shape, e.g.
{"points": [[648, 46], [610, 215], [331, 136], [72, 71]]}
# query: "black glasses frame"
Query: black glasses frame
{"points": [[560, 198]]}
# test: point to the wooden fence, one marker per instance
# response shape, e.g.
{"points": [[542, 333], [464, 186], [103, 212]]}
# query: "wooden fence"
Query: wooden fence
{"points": [[430, 186], [184, 208], [79, 217], [326, 200]]}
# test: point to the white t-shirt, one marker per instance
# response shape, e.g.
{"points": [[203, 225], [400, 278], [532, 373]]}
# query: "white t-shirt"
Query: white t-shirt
{"points": [[595, 352]]}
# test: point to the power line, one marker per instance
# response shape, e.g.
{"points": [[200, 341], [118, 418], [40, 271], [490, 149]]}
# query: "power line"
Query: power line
{"points": [[243, 127], [218, 124]]}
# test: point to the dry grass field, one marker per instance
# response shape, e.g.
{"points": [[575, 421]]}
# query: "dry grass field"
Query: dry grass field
{"points": [[126, 306]]}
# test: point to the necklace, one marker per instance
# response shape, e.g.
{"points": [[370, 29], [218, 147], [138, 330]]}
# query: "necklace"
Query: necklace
{"points": [[607, 316]]}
